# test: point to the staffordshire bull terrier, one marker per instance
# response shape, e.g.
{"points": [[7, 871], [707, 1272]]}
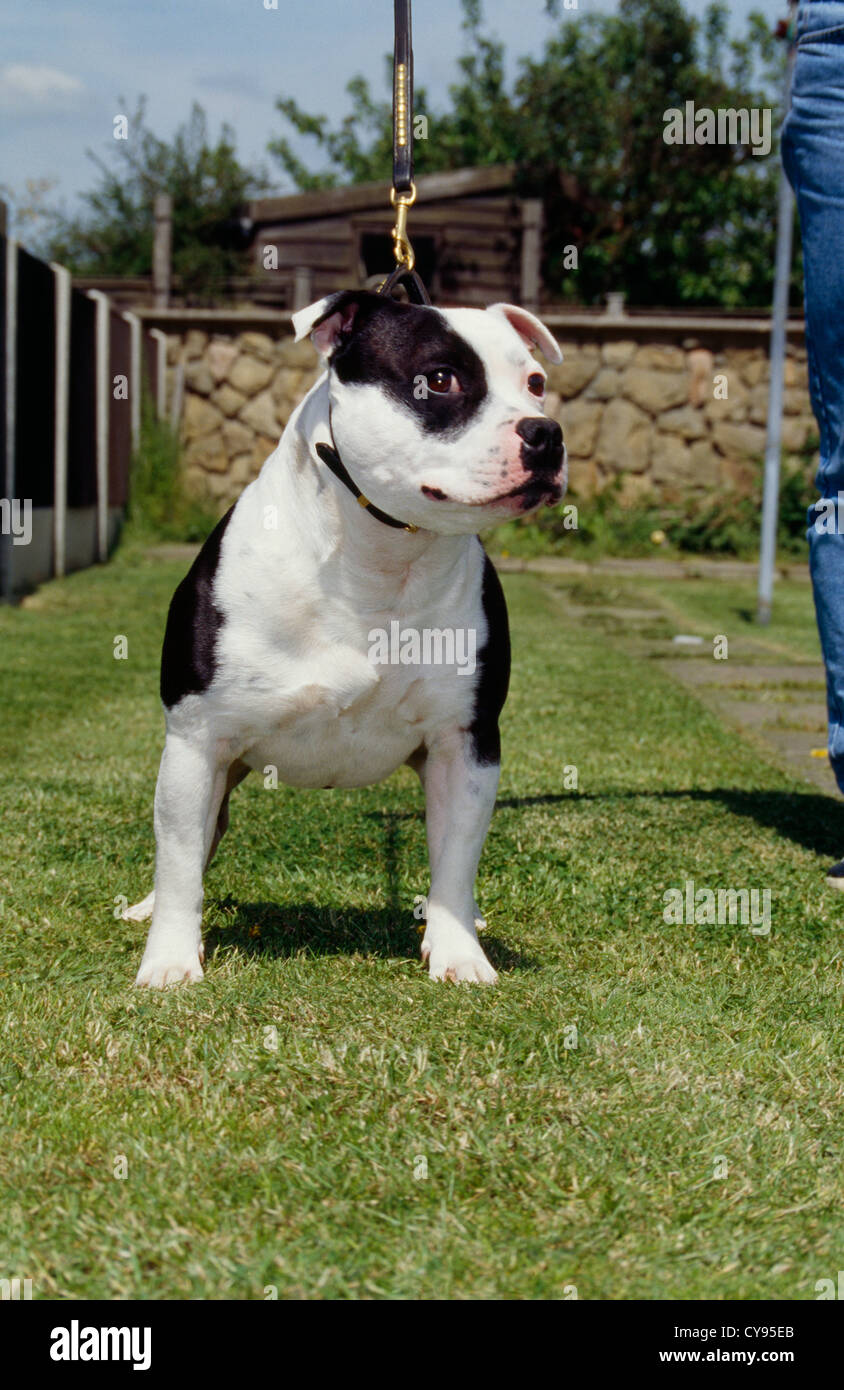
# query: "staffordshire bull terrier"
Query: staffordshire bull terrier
{"points": [[426, 427]]}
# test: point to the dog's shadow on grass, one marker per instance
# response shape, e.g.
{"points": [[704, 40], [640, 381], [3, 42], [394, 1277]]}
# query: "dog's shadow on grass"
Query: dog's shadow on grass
{"points": [[292, 929], [268, 929], [807, 818], [284, 930]]}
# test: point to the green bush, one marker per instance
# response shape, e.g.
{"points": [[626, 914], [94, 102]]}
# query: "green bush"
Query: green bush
{"points": [[160, 508], [722, 523]]}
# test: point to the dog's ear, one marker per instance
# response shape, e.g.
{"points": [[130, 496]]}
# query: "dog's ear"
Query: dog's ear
{"points": [[531, 329], [332, 321]]}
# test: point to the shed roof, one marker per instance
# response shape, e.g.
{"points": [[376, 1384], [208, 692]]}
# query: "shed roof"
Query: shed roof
{"points": [[338, 202]]}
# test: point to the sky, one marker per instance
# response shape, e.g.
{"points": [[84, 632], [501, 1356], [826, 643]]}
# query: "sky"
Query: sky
{"points": [[64, 66]]}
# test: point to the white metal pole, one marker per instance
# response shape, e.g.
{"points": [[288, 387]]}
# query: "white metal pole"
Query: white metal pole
{"points": [[62, 416], [779, 324], [102, 398]]}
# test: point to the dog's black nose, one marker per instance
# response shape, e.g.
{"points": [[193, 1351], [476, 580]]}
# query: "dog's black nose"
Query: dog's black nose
{"points": [[542, 449]]}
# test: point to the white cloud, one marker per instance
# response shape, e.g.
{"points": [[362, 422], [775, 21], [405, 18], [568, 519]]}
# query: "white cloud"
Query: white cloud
{"points": [[35, 87]]}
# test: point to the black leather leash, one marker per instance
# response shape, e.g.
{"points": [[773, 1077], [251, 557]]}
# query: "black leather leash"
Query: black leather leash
{"points": [[412, 282], [402, 197], [403, 100], [403, 194]]}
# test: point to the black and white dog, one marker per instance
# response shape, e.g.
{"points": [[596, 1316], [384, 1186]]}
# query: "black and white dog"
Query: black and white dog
{"points": [[426, 427]]}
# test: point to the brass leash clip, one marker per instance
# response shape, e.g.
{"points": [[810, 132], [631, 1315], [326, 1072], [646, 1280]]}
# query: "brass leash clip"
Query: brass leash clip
{"points": [[402, 249]]}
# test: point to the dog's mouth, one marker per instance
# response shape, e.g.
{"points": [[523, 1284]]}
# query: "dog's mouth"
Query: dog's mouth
{"points": [[533, 493]]}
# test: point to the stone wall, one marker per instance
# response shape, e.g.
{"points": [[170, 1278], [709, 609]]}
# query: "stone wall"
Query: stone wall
{"points": [[671, 419], [239, 392], [667, 417]]}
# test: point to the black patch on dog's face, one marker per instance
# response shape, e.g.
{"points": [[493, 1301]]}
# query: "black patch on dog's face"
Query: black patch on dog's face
{"points": [[494, 662], [189, 654], [394, 346]]}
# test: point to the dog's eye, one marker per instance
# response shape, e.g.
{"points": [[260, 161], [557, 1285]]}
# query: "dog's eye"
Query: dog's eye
{"points": [[443, 381], [536, 384]]}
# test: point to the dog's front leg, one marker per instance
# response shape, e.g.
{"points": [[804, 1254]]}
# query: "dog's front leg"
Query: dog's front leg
{"points": [[459, 801], [191, 783]]}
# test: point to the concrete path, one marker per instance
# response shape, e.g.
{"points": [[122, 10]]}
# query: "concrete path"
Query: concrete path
{"points": [[692, 567], [779, 703], [784, 706]]}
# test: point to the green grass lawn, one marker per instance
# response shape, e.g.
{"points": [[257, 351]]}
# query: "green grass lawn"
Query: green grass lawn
{"points": [[317, 1115]]}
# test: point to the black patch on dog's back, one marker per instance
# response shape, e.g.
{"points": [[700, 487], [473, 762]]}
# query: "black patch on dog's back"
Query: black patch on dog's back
{"points": [[188, 656], [393, 345], [494, 659]]}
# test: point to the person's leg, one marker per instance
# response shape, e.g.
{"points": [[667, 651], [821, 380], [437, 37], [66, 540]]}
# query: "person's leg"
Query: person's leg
{"points": [[813, 155]]}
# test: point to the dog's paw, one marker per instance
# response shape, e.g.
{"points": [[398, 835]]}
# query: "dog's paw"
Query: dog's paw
{"points": [[459, 963], [160, 971], [480, 920], [141, 911]]}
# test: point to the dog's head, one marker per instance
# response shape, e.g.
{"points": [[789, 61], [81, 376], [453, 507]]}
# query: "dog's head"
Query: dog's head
{"points": [[438, 413]]}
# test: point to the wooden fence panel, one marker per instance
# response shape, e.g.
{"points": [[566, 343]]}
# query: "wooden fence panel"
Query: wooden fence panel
{"points": [[48, 365], [82, 444], [35, 381]]}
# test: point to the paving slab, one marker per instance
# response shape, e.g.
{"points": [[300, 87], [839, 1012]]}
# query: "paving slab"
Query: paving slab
{"points": [[765, 715], [796, 750], [747, 675]]}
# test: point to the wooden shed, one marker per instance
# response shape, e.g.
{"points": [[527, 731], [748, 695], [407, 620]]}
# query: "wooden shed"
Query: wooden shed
{"points": [[475, 240]]}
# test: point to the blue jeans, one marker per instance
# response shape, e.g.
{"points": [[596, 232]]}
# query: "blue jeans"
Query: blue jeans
{"points": [[813, 156]]}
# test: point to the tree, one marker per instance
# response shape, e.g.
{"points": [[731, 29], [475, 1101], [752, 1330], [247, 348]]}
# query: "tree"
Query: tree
{"points": [[30, 214], [208, 186], [583, 125]]}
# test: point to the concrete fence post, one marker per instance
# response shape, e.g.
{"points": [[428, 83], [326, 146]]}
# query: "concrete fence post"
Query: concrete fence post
{"points": [[135, 377], [62, 286], [162, 249], [160, 371], [177, 398], [303, 281], [531, 253], [102, 399]]}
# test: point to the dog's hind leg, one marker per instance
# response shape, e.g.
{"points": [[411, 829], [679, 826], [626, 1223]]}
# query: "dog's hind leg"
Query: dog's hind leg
{"points": [[189, 794], [235, 776], [140, 912]]}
